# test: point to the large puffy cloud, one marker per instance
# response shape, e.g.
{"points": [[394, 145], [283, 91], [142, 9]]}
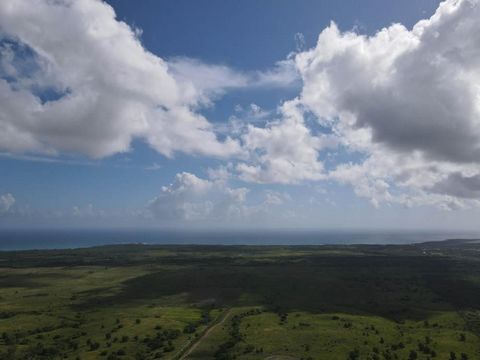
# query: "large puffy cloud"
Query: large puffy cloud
{"points": [[90, 86], [409, 100], [412, 90]]}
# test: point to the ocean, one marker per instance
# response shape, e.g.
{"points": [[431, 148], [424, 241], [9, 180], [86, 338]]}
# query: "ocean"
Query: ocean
{"points": [[68, 238]]}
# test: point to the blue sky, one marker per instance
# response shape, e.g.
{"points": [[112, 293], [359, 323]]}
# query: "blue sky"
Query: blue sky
{"points": [[239, 114], [253, 35]]}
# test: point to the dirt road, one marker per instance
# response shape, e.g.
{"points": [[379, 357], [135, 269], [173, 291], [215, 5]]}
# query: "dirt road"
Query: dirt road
{"points": [[194, 345]]}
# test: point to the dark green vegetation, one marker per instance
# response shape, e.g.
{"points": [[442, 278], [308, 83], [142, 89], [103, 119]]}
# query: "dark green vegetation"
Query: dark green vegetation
{"points": [[242, 302]]}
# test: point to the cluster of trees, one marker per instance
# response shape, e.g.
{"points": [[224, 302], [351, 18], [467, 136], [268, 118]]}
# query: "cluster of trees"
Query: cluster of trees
{"points": [[354, 354], [424, 348], [114, 355], [283, 317], [162, 340], [6, 314], [204, 320], [224, 350], [40, 350], [58, 346], [453, 356], [93, 345], [9, 339]]}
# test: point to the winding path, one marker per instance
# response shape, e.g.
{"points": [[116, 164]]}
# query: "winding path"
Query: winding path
{"points": [[193, 345]]}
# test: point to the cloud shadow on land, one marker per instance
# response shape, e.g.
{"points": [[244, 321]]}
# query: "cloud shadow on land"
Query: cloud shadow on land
{"points": [[395, 287]]}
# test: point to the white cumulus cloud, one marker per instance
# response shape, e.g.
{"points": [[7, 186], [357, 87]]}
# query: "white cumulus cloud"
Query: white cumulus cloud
{"points": [[193, 199], [408, 100], [190, 198], [105, 88], [284, 151]]}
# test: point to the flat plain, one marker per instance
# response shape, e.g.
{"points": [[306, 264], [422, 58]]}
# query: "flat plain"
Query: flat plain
{"points": [[242, 302]]}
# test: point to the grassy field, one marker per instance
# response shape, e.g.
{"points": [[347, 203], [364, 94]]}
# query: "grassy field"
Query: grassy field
{"points": [[242, 302]]}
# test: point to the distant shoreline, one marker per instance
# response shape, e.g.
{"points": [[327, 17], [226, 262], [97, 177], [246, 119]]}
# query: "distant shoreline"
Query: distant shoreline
{"points": [[76, 239]]}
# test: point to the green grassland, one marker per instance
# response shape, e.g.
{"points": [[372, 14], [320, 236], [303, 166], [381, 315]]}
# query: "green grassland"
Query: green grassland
{"points": [[242, 302]]}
